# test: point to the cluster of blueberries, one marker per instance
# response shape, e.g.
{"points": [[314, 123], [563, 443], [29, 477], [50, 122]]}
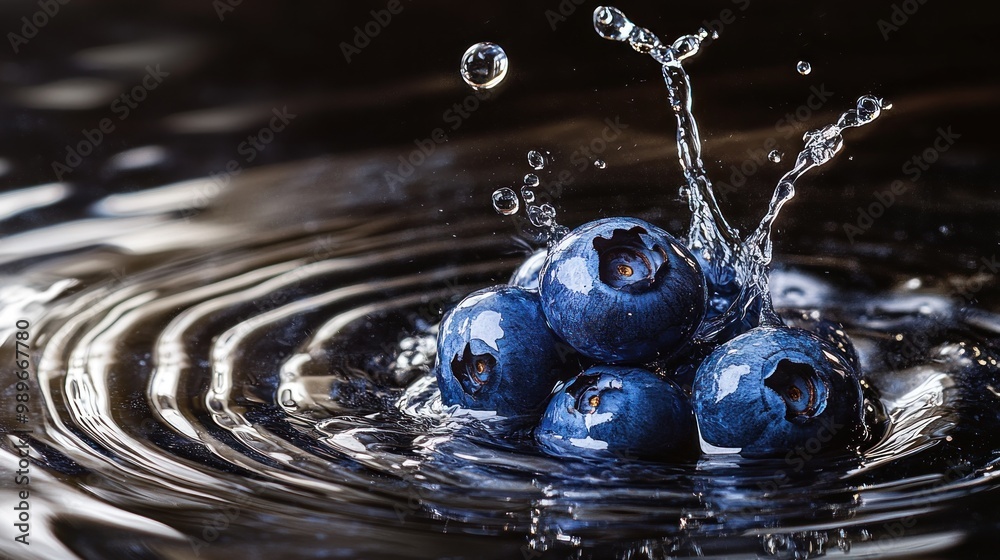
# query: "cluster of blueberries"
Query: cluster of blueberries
{"points": [[598, 342]]}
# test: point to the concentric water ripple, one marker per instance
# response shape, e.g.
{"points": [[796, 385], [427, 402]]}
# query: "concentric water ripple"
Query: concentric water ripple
{"points": [[285, 390], [236, 364]]}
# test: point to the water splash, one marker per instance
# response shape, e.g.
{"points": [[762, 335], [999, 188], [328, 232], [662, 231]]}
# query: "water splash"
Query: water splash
{"points": [[735, 268], [542, 227], [484, 65]]}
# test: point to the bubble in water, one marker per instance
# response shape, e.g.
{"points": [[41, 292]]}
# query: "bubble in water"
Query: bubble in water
{"points": [[484, 65], [775, 156], [804, 67], [536, 160], [531, 180], [599, 163], [505, 201]]}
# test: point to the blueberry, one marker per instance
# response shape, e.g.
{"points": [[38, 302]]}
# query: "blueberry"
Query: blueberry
{"points": [[526, 275], [496, 353], [617, 410], [774, 389], [622, 290], [828, 330]]}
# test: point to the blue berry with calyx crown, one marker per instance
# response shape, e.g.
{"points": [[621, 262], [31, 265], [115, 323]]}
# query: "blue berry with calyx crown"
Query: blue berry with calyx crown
{"points": [[774, 389], [496, 353], [615, 411], [622, 290]]}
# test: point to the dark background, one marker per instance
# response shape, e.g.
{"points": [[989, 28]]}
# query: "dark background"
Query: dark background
{"points": [[229, 70], [939, 68]]}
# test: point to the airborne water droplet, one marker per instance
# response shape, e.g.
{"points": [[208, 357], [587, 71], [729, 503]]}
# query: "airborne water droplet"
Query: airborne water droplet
{"points": [[804, 67], [484, 65], [505, 201], [527, 194], [775, 156], [531, 180], [599, 163], [536, 160]]}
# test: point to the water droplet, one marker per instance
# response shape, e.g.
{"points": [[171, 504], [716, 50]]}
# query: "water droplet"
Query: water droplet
{"points": [[527, 194], [531, 180], [612, 24], [505, 201], [484, 65], [537, 160], [599, 163], [775, 156], [804, 67], [542, 216]]}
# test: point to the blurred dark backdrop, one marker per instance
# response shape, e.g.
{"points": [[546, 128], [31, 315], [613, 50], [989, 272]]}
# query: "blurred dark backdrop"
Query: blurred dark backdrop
{"points": [[231, 64]]}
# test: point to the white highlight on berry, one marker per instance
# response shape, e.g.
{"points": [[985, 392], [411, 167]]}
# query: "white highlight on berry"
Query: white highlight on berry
{"points": [[574, 275], [473, 300], [597, 418], [589, 443], [729, 380], [709, 449], [486, 327]]}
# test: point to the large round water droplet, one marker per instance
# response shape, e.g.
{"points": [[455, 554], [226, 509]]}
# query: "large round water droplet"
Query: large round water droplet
{"points": [[775, 156], [484, 65], [536, 160], [869, 108], [803, 67], [531, 180], [505, 201]]}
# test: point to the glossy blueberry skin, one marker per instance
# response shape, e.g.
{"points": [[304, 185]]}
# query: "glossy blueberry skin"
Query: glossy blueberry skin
{"points": [[617, 411], [622, 290], [774, 389], [496, 353], [526, 275]]}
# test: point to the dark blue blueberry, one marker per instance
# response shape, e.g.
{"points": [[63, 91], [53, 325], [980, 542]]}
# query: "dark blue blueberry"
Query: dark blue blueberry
{"points": [[496, 353], [830, 331], [775, 389], [526, 275], [622, 290], [616, 410]]}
